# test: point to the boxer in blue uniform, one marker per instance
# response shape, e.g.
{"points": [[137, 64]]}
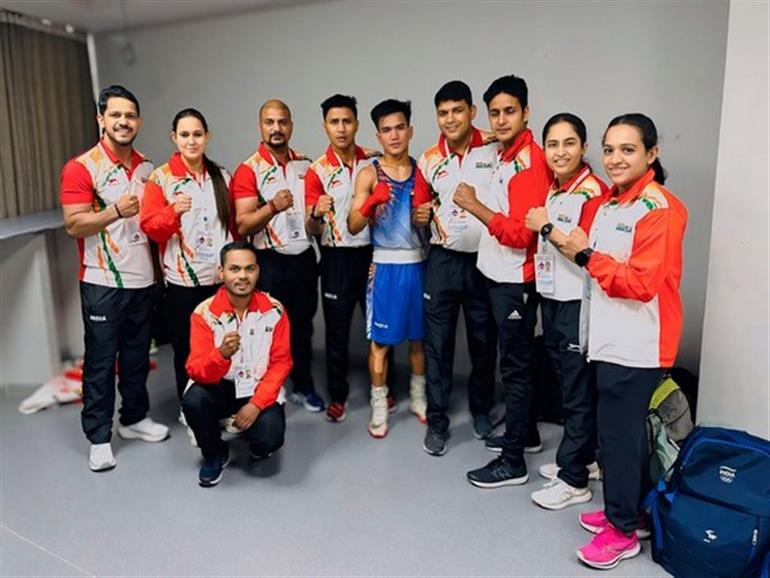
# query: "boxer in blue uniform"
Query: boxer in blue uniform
{"points": [[382, 200]]}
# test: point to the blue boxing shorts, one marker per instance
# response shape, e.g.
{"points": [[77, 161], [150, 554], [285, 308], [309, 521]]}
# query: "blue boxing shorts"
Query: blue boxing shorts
{"points": [[394, 303]]}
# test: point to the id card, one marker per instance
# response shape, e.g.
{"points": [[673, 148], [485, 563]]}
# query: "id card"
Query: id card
{"points": [[203, 240], [244, 381], [295, 223], [544, 269], [204, 248]]}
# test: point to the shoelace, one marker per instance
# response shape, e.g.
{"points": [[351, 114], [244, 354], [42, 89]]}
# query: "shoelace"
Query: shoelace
{"points": [[607, 539], [379, 409], [499, 464]]}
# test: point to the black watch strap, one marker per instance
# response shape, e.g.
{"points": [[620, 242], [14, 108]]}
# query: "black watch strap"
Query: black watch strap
{"points": [[582, 257], [546, 230]]}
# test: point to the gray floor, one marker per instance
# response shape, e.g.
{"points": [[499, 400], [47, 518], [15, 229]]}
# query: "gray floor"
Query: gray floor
{"points": [[332, 502]]}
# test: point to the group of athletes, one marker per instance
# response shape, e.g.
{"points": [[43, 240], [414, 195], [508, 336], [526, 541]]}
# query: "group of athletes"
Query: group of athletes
{"points": [[490, 221]]}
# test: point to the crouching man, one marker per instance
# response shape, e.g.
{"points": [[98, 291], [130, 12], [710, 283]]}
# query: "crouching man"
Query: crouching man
{"points": [[239, 358]]}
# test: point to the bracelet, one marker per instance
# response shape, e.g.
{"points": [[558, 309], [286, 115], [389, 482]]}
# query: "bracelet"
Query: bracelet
{"points": [[312, 215], [273, 208], [117, 211]]}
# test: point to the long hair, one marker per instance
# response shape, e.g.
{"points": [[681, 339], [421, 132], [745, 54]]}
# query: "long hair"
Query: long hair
{"points": [[214, 170]]}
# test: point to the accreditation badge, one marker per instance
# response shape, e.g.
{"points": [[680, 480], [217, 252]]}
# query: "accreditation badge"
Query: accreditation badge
{"points": [[244, 380], [203, 242], [544, 273], [458, 222], [295, 223]]}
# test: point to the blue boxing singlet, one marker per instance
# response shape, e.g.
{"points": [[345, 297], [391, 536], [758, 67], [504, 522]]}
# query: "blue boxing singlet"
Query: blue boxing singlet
{"points": [[392, 229]]}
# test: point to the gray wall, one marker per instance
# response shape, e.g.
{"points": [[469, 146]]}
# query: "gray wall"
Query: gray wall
{"points": [[735, 378], [595, 59], [29, 342]]}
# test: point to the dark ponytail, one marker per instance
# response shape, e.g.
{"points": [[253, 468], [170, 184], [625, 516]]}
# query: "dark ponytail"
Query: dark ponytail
{"points": [[649, 135], [221, 194], [660, 173]]}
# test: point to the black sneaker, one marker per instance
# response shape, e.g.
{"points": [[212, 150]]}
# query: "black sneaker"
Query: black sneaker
{"points": [[434, 443], [482, 426], [494, 444], [257, 456], [498, 473], [210, 473], [534, 444]]}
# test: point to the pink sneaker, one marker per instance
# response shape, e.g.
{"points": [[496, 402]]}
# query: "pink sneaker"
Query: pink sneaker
{"points": [[608, 548], [597, 521]]}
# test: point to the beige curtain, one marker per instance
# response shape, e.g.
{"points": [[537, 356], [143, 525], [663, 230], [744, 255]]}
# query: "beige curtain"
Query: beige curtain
{"points": [[47, 114]]}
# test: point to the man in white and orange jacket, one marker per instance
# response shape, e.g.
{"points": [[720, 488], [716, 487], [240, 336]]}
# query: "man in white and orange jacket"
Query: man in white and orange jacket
{"points": [[240, 357]]}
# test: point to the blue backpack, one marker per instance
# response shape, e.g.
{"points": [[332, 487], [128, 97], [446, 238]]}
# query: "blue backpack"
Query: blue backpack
{"points": [[711, 519]]}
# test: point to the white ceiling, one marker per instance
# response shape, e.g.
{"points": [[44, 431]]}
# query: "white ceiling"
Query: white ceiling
{"points": [[112, 15]]}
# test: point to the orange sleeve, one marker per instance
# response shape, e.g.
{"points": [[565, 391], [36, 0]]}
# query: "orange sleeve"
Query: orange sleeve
{"points": [[157, 218], [278, 368], [526, 190], [313, 188], [421, 190], [657, 241], [77, 186], [205, 365], [243, 185]]}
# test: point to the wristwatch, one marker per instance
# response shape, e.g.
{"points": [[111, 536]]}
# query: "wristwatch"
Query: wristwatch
{"points": [[582, 257], [546, 230]]}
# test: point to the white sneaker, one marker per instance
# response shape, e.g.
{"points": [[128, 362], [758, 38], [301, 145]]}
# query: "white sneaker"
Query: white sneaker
{"points": [[100, 457], [146, 430], [550, 471], [418, 404], [378, 426], [558, 494]]}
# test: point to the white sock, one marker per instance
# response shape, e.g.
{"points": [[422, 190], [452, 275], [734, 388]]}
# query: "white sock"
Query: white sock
{"points": [[417, 380]]}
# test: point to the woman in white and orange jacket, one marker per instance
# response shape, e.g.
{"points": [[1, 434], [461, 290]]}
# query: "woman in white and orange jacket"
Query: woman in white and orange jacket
{"points": [[630, 244], [559, 281], [188, 212]]}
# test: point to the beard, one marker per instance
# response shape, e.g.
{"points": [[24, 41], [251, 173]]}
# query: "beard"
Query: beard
{"points": [[122, 140]]}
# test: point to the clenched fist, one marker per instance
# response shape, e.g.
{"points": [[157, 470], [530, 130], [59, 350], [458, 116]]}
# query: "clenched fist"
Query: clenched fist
{"points": [[422, 214], [576, 242], [283, 200], [465, 196], [323, 206], [128, 205], [536, 218], [231, 343], [182, 203], [380, 195]]}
